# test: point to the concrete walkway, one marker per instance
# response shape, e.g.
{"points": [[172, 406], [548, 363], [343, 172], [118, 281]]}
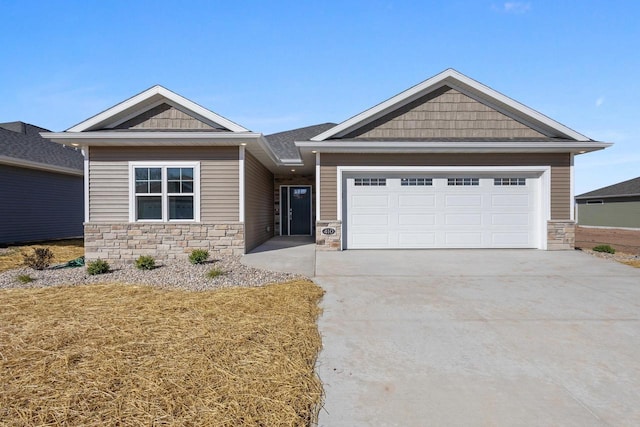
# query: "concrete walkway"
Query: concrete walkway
{"points": [[291, 254], [478, 338]]}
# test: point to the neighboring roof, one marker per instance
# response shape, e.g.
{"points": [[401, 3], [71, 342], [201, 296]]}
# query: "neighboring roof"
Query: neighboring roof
{"points": [[22, 145], [626, 188], [467, 86], [283, 143], [145, 101]]}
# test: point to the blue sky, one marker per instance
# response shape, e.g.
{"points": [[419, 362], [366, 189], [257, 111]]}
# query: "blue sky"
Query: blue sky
{"points": [[273, 66]]}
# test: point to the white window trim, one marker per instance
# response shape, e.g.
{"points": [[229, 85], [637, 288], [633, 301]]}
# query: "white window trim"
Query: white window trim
{"points": [[544, 193], [165, 205]]}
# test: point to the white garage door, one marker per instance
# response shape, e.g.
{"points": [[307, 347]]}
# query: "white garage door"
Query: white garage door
{"points": [[420, 211]]}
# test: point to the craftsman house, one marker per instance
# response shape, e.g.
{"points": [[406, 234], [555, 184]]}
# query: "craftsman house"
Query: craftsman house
{"points": [[448, 163]]}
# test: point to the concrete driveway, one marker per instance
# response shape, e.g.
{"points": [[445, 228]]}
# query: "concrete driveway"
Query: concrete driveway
{"points": [[478, 338]]}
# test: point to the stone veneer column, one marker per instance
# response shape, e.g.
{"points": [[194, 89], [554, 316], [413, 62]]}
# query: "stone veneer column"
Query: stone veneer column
{"points": [[561, 235], [127, 241], [329, 242]]}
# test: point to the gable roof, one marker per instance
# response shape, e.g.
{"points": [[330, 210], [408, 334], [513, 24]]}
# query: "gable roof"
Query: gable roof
{"points": [[630, 187], [283, 143], [467, 86], [147, 100], [21, 145]]}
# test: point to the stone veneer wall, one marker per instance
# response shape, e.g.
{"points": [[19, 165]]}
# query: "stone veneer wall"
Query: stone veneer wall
{"points": [[127, 241], [328, 242], [561, 235]]}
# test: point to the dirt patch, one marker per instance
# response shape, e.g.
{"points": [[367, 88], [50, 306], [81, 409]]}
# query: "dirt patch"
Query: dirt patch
{"points": [[136, 355]]}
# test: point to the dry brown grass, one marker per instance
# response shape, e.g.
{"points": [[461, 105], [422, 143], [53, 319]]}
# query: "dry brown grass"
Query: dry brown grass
{"points": [[140, 356], [63, 251], [633, 263]]}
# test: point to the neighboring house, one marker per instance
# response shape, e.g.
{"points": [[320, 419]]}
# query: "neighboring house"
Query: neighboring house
{"points": [[449, 163], [616, 205], [41, 196]]}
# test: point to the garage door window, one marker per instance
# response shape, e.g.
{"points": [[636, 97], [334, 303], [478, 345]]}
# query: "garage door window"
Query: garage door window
{"points": [[509, 181], [463, 181], [373, 182], [407, 182]]}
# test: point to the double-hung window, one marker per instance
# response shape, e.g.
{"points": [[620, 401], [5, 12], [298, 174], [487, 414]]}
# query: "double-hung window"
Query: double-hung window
{"points": [[164, 191]]}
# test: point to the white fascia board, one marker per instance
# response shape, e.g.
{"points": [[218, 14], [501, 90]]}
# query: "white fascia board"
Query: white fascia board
{"points": [[449, 146], [142, 101], [12, 161], [115, 138], [448, 77]]}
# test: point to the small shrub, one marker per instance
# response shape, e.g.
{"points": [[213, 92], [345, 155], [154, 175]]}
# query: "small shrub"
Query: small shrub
{"points": [[39, 259], [604, 248], [198, 256], [25, 278], [98, 267], [214, 272], [145, 262]]}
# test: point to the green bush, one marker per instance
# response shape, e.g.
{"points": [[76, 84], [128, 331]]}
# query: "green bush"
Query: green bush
{"points": [[604, 248], [24, 278], [198, 256], [214, 272], [145, 262], [39, 259], [98, 267]]}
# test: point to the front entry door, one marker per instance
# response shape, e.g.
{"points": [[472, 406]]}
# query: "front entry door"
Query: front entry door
{"points": [[295, 210]]}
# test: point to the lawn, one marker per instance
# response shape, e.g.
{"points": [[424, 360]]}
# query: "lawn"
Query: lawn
{"points": [[63, 251], [135, 355]]}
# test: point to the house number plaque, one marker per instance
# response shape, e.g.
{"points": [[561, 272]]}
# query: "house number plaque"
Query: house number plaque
{"points": [[328, 231]]}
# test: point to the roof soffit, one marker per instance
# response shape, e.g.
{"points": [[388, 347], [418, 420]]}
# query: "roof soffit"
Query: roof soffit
{"points": [[467, 86]]}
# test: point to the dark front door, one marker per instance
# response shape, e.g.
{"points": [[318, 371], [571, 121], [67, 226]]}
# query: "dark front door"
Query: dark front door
{"points": [[295, 208]]}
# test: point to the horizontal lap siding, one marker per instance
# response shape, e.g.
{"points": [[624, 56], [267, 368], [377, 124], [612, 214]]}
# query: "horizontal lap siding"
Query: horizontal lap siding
{"points": [[560, 172], [39, 205], [109, 179], [258, 203]]}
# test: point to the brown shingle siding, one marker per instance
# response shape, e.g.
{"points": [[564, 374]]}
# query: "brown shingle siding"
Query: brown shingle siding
{"points": [[445, 113]]}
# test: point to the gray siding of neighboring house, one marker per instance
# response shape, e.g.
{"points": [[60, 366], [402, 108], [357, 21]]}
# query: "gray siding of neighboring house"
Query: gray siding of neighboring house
{"points": [[613, 212], [445, 113], [560, 173], [258, 203], [39, 205], [109, 180]]}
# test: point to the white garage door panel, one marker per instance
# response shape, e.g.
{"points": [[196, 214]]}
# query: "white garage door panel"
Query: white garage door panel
{"points": [[511, 200], [463, 239], [463, 219], [412, 240], [416, 219], [370, 219], [511, 219], [510, 239], [463, 200], [441, 216], [371, 240], [380, 202], [421, 200]]}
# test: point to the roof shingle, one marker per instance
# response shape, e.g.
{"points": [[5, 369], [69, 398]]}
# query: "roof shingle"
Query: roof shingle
{"points": [[283, 143], [624, 188], [22, 141]]}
